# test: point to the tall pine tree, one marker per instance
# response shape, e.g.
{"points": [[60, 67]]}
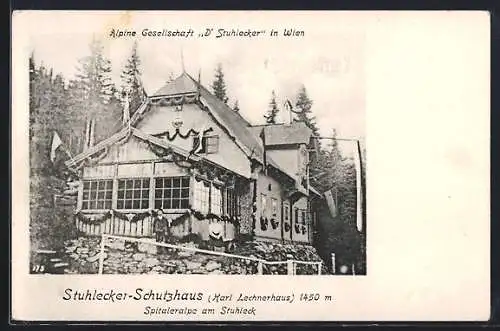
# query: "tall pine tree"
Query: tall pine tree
{"points": [[219, 85], [273, 110], [94, 95], [304, 109], [131, 80]]}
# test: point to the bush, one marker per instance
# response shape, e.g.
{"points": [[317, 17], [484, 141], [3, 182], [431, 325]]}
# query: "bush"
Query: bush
{"points": [[50, 225]]}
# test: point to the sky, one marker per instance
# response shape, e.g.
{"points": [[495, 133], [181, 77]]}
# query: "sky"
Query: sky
{"points": [[328, 60]]}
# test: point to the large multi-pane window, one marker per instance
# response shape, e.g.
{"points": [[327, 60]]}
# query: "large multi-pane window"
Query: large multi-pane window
{"points": [[216, 201], [172, 193], [97, 194], [231, 203], [133, 193], [274, 206], [263, 205], [303, 218], [202, 195]]}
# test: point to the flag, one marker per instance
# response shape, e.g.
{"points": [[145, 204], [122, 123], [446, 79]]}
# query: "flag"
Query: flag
{"points": [[331, 202], [56, 142], [357, 165]]}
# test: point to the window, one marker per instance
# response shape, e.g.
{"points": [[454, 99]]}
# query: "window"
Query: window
{"points": [[212, 144], [303, 219], [216, 201], [231, 203], [274, 206], [172, 193], [263, 205], [97, 194], [201, 195], [133, 193], [286, 212], [209, 144]]}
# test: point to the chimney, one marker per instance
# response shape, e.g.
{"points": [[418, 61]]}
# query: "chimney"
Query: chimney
{"points": [[288, 113]]}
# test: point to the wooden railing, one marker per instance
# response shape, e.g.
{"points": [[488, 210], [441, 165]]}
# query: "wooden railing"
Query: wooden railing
{"points": [[291, 264]]}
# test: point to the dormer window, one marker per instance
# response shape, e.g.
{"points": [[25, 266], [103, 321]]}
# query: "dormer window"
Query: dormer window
{"points": [[209, 144]]}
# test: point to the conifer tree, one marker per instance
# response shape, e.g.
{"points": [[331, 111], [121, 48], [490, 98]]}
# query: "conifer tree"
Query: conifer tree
{"points": [[219, 85], [93, 94], [304, 111], [131, 80], [273, 110]]}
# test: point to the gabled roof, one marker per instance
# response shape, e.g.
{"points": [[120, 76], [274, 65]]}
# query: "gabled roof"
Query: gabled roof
{"points": [[238, 128], [282, 134], [122, 134], [181, 85], [234, 124], [96, 148]]}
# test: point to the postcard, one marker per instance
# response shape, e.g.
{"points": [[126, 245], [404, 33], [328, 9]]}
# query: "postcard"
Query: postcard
{"points": [[250, 166]]}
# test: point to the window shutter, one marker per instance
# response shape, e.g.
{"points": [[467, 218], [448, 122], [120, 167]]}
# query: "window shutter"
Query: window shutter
{"points": [[212, 144]]}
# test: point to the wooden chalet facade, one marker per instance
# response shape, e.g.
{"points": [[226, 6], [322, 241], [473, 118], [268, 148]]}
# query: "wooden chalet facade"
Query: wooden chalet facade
{"points": [[254, 179]]}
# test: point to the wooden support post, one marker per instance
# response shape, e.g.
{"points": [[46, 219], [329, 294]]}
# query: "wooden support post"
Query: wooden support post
{"points": [[290, 266], [333, 263], [101, 255], [319, 267], [260, 268]]}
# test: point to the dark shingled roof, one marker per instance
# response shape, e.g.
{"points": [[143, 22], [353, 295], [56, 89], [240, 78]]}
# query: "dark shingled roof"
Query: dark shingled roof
{"points": [[281, 134], [182, 84]]}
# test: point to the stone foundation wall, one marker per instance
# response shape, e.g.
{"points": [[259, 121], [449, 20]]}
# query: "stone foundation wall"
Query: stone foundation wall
{"points": [[246, 206], [122, 257]]}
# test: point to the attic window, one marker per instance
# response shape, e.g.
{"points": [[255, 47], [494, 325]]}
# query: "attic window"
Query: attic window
{"points": [[209, 144]]}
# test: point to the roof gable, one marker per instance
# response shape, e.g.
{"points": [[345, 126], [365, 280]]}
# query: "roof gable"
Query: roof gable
{"points": [[280, 134], [181, 85]]}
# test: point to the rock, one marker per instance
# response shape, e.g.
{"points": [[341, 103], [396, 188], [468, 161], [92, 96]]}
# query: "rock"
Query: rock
{"points": [[70, 249], [212, 265], [139, 256], [157, 268], [61, 264], [96, 257], [116, 244], [169, 263], [192, 265], [215, 272], [82, 250], [74, 256], [185, 253], [150, 262], [148, 248]]}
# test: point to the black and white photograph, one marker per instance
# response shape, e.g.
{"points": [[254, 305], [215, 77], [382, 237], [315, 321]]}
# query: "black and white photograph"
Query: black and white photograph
{"points": [[152, 155], [250, 166]]}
